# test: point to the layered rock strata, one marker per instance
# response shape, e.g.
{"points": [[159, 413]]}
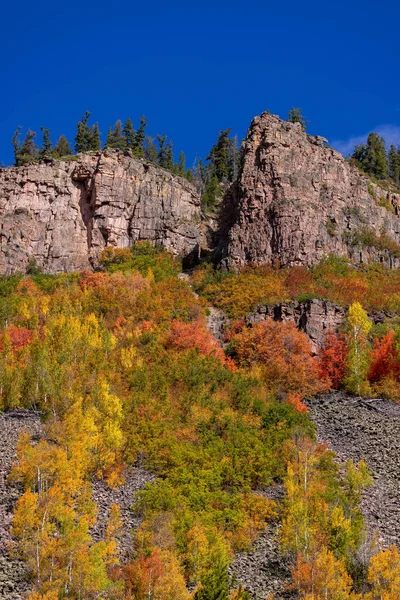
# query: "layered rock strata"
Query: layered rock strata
{"points": [[61, 214]]}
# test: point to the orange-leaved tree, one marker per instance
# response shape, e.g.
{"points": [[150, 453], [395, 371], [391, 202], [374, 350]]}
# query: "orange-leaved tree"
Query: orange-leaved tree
{"points": [[384, 358], [284, 356], [332, 358], [183, 336]]}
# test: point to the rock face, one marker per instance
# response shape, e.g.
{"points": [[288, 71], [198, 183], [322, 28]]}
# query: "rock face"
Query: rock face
{"points": [[63, 213], [299, 200], [315, 317]]}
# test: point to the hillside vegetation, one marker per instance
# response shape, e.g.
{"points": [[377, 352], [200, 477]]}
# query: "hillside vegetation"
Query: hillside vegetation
{"points": [[123, 369]]}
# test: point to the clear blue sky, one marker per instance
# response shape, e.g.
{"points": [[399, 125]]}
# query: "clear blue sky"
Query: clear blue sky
{"points": [[194, 68]]}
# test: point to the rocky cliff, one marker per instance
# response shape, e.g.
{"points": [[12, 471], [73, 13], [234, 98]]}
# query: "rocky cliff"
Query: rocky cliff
{"points": [[63, 213], [299, 200], [296, 201]]}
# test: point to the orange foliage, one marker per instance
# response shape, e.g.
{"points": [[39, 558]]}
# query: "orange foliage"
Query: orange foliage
{"points": [[295, 401], [183, 336], [284, 354], [332, 358], [384, 359], [324, 576]]}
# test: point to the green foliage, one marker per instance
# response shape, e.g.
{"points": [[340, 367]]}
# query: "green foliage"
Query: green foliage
{"points": [[87, 137], [26, 152], [366, 237], [212, 193], [295, 115], [214, 583], [46, 146], [219, 156], [116, 138], [62, 148], [394, 164], [385, 202], [142, 257], [331, 227], [371, 157]]}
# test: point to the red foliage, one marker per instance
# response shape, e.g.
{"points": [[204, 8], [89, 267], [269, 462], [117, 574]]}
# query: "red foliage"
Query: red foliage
{"points": [[332, 358], [19, 337], [183, 336], [384, 359]]}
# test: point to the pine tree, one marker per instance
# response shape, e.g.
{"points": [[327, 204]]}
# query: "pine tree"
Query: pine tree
{"points": [[62, 147], [27, 152], [140, 137], [168, 158], [150, 151], [115, 138], [46, 147], [94, 143], [181, 166], [162, 149], [219, 156], [394, 164], [212, 190], [16, 144], [359, 154], [374, 160], [83, 134], [128, 133], [295, 115], [214, 583]]}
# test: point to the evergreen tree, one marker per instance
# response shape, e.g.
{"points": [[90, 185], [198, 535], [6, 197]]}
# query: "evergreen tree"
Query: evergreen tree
{"points": [[214, 583], [219, 156], [140, 136], [295, 115], [128, 133], [115, 138], [189, 176], [16, 143], [46, 147], [27, 152], [82, 138], [165, 155], [181, 166], [358, 154], [150, 151], [375, 162], [62, 147], [394, 164], [199, 176], [94, 143], [212, 190], [162, 149]]}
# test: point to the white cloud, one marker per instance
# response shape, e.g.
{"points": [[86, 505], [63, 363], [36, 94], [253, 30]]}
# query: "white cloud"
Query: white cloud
{"points": [[391, 134]]}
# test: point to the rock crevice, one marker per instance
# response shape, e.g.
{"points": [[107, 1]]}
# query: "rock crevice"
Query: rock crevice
{"points": [[62, 214]]}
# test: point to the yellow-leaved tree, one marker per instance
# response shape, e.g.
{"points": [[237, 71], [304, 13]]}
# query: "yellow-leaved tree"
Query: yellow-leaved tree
{"points": [[357, 358]]}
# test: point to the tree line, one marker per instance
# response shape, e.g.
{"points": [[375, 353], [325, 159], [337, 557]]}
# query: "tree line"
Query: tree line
{"points": [[374, 159], [220, 168]]}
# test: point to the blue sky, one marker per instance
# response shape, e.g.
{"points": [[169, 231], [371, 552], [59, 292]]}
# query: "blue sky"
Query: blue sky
{"points": [[196, 68]]}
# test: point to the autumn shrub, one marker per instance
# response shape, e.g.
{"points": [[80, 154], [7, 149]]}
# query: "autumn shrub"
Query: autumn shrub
{"points": [[283, 354], [238, 294], [183, 336], [142, 257]]}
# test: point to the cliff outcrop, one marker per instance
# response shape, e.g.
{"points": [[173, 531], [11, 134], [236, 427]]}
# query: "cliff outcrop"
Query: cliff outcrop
{"points": [[299, 200], [61, 214]]}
